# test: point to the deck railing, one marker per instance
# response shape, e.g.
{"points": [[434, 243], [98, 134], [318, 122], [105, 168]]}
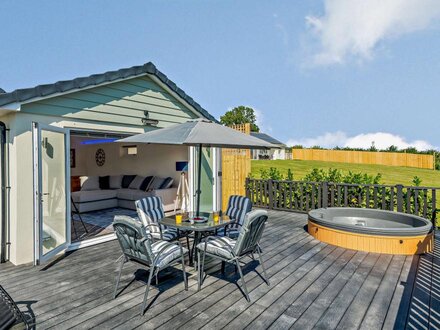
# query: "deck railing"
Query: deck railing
{"points": [[303, 196]]}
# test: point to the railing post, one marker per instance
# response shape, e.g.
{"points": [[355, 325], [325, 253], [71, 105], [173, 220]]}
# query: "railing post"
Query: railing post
{"points": [[270, 191], [325, 194], [399, 197], [434, 208], [247, 188]]}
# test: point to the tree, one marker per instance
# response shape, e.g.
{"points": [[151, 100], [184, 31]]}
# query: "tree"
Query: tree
{"points": [[240, 115], [392, 148]]}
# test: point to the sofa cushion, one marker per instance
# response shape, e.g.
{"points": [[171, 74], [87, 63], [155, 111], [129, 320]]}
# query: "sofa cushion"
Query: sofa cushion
{"points": [[137, 181], [104, 182], [132, 194], [167, 183], [157, 182], [126, 180], [115, 181], [97, 205], [89, 183], [146, 183], [93, 195]]}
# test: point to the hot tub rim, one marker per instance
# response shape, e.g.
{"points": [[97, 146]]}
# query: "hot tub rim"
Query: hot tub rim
{"points": [[406, 232]]}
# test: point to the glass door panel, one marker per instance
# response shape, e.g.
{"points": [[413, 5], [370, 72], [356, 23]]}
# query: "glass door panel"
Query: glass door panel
{"points": [[53, 181], [52, 207], [207, 179]]}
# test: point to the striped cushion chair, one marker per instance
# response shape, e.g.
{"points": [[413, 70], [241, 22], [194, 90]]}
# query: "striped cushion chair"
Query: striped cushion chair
{"points": [[150, 211], [141, 249], [238, 207], [233, 251]]}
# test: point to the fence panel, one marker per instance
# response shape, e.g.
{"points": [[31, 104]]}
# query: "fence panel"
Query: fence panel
{"points": [[303, 196], [366, 157], [236, 166]]}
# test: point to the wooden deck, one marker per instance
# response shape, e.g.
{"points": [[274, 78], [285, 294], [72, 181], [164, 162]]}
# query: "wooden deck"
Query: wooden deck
{"points": [[313, 285]]}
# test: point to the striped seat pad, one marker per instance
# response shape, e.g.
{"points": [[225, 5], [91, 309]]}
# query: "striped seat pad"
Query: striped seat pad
{"points": [[168, 234], [171, 252], [219, 246]]}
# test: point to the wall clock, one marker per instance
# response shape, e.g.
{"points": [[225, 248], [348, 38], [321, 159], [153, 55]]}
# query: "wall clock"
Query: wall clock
{"points": [[100, 157]]}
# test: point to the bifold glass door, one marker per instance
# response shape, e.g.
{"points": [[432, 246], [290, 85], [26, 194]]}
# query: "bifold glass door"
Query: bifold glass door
{"points": [[208, 183], [51, 190]]}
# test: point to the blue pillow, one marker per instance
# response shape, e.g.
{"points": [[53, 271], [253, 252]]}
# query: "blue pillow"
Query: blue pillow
{"points": [[146, 183], [126, 180], [167, 183]]}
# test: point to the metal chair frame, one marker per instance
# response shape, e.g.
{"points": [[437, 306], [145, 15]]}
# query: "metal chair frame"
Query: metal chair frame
{"points": [[236, 258], [20, 319], [153, 269]]}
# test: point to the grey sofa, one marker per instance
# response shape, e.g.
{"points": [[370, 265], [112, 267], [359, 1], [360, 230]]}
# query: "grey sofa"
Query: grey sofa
{"points": [[94, 196]]}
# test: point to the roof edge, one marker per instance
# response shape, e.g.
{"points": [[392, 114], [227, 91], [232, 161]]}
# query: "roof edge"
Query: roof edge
{"points": [[73, 85]]}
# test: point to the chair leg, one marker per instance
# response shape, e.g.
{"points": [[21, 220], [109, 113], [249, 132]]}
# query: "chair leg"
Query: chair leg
{"points": [[223, 267], [199, 273], [260, 257], [144, 303], [185, 280], [243, 283], [118, 277], [203, 266], [74, 228], [82, 222], [189, 247]]}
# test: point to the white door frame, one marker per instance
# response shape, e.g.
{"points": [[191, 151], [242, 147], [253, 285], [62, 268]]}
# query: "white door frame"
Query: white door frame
{"points": [[191, 176], [38, 193], [216, 187]]}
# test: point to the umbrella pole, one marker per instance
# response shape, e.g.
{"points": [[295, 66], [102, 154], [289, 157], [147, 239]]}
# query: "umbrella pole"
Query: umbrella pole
{"points": [[199, 177]]}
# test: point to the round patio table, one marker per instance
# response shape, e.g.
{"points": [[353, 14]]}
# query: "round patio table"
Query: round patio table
{"points": [[198, 227]]}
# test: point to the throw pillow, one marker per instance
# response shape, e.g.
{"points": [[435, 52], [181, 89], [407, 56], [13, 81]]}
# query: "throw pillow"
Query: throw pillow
{"points": [[167, 183], [104, 182], [146, 183], [126, 180], [115, 181], [137, 181], [89, 182], [157, 182]]}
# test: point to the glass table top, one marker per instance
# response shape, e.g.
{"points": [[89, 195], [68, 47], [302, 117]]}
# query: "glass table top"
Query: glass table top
{"points": [[186, 224]]}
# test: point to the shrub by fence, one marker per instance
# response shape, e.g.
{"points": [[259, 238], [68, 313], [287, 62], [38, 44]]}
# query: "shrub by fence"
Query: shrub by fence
{"points": [[303, 196]]}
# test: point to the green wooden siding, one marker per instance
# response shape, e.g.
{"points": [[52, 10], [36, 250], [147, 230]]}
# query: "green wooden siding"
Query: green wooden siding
{"points": [[120, 102]]}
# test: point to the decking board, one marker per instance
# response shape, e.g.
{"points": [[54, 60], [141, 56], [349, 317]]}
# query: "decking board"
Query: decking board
{"points": [[313, 285]]}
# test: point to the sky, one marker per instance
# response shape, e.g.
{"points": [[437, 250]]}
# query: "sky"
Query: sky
{"points": [[317, 72]]}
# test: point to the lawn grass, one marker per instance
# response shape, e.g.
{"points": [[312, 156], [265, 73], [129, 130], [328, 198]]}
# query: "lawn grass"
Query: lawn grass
{"points": [[390, 174]]}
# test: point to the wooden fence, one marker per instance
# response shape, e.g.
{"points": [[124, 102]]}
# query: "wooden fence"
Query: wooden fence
{"points": [[303, 196], [366, 157], [236, 166]]}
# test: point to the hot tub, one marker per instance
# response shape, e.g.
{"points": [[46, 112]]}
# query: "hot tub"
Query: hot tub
{"points": [[372, 230]]}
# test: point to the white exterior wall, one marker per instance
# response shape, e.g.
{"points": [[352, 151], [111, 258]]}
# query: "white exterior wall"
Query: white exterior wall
{"points": [[272, 153], [279, 154]]}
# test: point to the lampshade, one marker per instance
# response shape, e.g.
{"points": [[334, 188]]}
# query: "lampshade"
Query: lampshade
{"points": [[182, 166]]}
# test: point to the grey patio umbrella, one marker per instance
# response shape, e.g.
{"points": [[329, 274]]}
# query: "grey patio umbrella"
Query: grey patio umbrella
{"points": [[200, 133]]}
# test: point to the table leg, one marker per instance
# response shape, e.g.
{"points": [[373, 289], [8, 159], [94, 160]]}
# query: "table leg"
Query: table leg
{"points": [[197, 239]]}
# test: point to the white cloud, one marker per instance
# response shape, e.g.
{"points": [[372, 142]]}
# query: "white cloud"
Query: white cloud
{"points": [[354, 29], [261, 122], [381, 141]]}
